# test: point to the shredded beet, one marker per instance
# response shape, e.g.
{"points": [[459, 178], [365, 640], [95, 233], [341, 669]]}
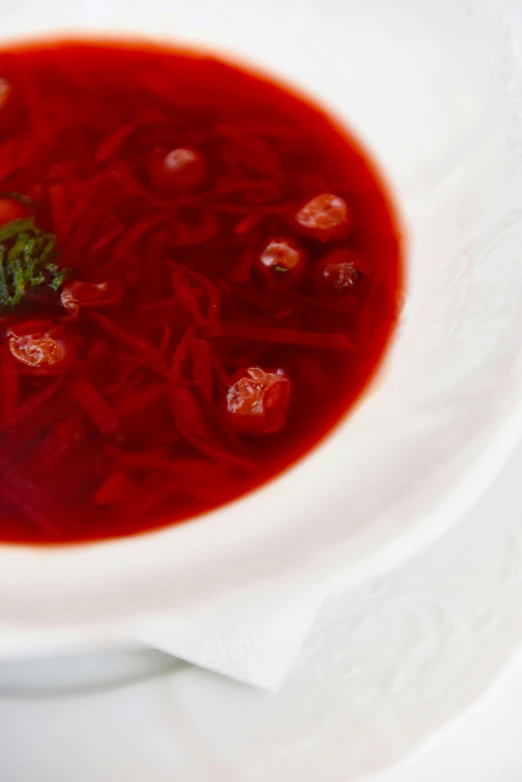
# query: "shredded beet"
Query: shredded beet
{"points": [[198, 276]]}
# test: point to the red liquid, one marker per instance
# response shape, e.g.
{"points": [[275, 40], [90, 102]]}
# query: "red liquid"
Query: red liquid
{"points": [[230, 326]]}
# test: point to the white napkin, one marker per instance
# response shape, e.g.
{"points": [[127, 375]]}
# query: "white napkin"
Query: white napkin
{"points": [[253, 643]]}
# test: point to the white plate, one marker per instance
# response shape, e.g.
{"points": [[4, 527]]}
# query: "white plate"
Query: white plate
{"points": [[435, 90], [386, 668]]}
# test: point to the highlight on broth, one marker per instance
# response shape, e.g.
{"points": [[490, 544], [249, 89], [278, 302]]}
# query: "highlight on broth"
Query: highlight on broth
{"points": [[198, 275]]}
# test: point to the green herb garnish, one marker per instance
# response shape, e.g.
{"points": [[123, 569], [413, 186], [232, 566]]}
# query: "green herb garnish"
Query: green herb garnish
{"points": [[26, 261]]}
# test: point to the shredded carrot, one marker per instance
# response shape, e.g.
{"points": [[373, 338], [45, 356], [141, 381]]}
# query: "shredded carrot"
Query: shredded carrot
{"points": [[111, 143], [241, 271], [140, 460], [29, 407], [202, 366], [283, 336], [131, 402], [247, 223], [23, 495], [186, 298], [165, 341], [10, 158], [100, 413], [9, 390], [180, 356], [64, 170], [133, 341], [114, 489], [60, 210], [84, 228], [166, 303], [90, 191], [214, 297], [107, 237], [191, 424], [134, 235], [63, 437]]}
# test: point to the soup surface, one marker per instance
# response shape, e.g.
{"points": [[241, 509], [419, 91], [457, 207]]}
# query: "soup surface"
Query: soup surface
{"points": [[198, 275]]}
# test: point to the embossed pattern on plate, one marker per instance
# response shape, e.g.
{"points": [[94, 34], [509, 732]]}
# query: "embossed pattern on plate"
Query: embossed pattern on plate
{"points": [[386, 668]]}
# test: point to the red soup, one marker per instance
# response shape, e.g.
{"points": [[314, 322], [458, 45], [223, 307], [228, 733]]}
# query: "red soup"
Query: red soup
{"points": [[198, 275]]}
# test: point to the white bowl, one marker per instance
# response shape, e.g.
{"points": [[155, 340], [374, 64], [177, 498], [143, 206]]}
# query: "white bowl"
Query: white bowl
{"points": [[433, 91]]}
